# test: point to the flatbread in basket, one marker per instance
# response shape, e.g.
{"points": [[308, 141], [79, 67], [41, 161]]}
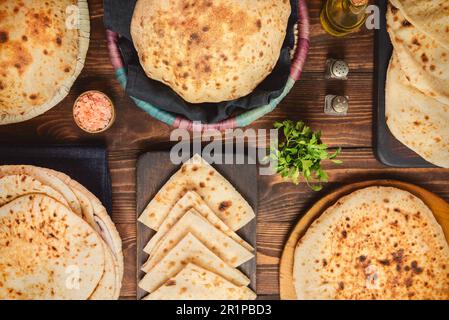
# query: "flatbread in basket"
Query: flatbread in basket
{"points": [[43, 49], [210, 51]]}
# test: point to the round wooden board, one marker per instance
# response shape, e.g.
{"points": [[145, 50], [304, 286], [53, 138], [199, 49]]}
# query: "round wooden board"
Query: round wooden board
{"points": [[439, 207]]}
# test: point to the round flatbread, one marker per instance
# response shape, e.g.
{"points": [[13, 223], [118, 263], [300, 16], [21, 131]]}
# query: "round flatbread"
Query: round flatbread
{"points": [[98, 218], [430, 16], [376, 243], [44, 178], [209, 51], [15, 186], [424, 61], [418, 121], [42, 52], [19, 180], [46, 251], [107, 287]]}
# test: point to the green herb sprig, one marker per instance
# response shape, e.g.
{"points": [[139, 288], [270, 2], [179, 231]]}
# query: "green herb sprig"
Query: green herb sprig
{"points": [[300, 153]]}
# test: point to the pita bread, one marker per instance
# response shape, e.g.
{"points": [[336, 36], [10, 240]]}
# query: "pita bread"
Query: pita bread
{"points": [[376, 243], [195, 283], [90, 209], [418, 121], [192, 222], [192, 200], [49, 180], [209, 51], [15, 186], [107, 287], [40, 56], [199, 176], [189, 250], [429, 16], [98, 218], [424, 61], [46, 251]]}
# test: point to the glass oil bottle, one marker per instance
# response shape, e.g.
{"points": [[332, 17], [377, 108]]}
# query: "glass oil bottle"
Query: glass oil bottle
{"points": [[342, 17]]}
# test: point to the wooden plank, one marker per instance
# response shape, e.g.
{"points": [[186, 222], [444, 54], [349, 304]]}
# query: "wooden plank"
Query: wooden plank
{"points": [[128, 235], [153, 171]]}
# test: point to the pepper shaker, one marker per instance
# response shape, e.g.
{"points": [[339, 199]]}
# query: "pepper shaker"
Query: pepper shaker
{"points": [[336, 105]]}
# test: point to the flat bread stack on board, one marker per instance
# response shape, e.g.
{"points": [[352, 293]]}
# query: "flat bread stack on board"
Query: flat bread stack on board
{"points": [[209, 51], [417, 89], [43, 46], [375, 243], [56, 239], [196, 251]]}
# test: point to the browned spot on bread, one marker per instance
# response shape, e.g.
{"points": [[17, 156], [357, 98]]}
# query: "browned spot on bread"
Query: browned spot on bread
{"points": [[17, 56], [224, 205], [405, 23], [170, 283], [3, 37]]}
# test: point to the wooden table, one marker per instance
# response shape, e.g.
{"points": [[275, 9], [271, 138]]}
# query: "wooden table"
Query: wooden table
{"points": [[280, 204]]}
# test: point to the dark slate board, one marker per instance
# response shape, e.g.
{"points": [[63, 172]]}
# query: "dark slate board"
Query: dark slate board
{"points": [[153, 171], [389, 150], [86, 164]]}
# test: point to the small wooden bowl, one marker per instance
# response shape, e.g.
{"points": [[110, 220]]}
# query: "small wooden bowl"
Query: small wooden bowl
{"points": [[111, 122]]}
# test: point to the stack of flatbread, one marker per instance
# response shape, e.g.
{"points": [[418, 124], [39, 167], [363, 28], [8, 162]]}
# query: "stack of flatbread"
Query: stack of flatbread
{"points": [[56, 239], [43, 46], [376, 243], [417, 90], [195, 253]]}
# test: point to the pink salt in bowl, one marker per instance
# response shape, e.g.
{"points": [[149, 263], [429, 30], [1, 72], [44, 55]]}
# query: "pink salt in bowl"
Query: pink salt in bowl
{"points": [[94, 112]]}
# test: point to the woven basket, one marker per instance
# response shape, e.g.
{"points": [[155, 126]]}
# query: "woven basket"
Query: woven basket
{"points": [[241, 120], [64, 87]]}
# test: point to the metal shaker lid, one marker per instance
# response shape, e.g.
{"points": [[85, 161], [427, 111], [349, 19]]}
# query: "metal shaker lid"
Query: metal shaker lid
{"points": [[340, 104], [340, 69]]}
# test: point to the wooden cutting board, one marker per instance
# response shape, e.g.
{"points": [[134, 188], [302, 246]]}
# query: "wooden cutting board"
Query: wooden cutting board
{"points": [[153, 171], [439, 207]]}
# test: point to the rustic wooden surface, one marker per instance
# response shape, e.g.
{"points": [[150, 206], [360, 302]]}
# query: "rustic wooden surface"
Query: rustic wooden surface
{"points": [[280, 204]]}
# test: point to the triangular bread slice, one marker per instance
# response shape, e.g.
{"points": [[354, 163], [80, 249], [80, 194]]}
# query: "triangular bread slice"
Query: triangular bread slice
{"points": [[192, 200], [196, 283], [197, 175], [222, 245], [190, 250]]}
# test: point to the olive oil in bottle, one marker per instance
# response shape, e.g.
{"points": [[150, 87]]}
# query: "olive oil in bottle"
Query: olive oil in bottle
{"points": [[342, 17]]}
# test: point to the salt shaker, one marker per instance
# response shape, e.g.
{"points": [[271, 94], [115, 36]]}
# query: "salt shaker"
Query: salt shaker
{"points": [[337, 69]]}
